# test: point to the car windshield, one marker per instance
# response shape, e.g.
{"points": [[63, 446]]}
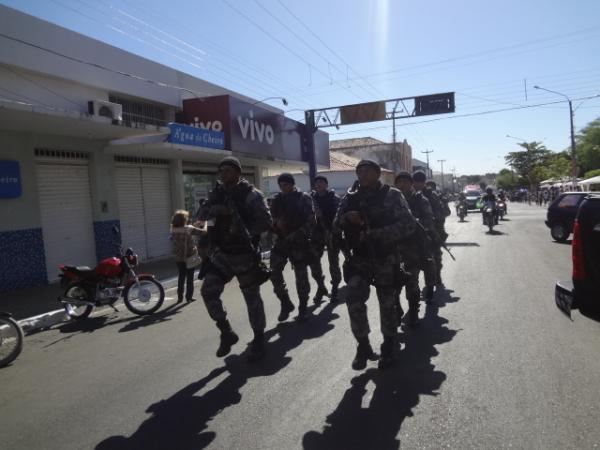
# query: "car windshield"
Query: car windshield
{"points": [[472, 194]]}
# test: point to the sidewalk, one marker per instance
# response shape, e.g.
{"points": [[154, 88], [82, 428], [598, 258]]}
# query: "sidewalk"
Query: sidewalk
{"points": [[29, 302]]}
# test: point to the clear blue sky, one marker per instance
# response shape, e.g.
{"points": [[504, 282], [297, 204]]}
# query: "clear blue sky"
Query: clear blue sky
{"points": [[327, 53]]}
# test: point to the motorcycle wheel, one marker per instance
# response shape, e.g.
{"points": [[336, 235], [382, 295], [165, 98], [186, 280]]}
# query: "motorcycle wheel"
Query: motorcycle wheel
{"points": [[145, 297], [77, 292], [11, 340]]}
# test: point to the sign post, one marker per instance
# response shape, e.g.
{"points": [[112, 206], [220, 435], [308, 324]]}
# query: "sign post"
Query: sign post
{"points": [[371, 112]]}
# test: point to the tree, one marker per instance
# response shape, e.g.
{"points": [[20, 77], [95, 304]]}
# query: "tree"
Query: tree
{"points": [[559, 165], [529, 163], [588, 147], [506, 180], [591, 173]]}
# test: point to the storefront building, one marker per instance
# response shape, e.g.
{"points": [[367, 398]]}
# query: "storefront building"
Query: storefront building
{"points": [[84, 149]]}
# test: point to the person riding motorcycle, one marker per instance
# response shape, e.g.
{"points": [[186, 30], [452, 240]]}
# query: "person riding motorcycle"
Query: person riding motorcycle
{"points": [[461, 201], [489, 198]]}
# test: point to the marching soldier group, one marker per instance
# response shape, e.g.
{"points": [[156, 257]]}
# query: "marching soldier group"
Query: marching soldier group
{"points": [[387, 234]]}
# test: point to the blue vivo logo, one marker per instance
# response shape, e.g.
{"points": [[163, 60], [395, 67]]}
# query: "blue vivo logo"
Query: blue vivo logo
{"points": [[10, 179]]}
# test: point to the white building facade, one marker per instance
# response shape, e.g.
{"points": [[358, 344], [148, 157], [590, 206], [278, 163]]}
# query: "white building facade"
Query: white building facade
{"points": [[84, 149]]}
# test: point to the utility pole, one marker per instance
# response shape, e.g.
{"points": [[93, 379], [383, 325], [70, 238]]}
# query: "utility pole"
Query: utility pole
{"points": [[427, 152], [442, 161], [573, 149]]}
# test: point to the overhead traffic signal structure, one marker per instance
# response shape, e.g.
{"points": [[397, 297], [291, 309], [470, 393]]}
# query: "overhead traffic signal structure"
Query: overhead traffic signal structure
{"points": [[371, 112]]}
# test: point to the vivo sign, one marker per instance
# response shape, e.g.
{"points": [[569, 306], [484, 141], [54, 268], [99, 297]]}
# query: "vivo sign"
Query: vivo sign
{"points": [[251, 129], [255, 130]]}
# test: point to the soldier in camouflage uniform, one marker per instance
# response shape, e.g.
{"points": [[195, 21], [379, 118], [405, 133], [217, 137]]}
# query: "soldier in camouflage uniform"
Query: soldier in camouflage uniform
{"points": [[236, 215], [326, 203], [375, 218], [439, 215], [417, 249], [293, 224]]}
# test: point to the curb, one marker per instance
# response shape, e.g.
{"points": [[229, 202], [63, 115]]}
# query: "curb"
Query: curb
{"points": [[47, 320]]}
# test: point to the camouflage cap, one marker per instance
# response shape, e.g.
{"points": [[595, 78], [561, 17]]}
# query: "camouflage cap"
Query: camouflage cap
{"points": [[403, 175], [419, 175], [231, 161], [368, 163]]}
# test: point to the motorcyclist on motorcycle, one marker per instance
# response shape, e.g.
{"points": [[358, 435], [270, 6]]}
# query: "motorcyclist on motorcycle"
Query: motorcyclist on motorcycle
{"points": [[461, 201], [489, 198]]}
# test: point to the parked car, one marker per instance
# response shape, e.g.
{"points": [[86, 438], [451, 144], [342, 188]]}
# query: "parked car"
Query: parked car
{"points": [[584, 287], [561, 214]]}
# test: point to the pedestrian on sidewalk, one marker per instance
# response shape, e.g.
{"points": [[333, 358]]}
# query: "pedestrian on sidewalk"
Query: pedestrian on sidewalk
{"points": [[186, 253]]}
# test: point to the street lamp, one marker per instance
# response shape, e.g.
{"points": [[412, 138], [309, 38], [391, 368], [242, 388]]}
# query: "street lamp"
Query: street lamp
{"points": [[283, 100], [573, 153]]}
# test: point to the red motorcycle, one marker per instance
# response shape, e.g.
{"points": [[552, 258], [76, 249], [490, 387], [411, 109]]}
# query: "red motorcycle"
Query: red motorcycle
{"points": [[112, 278]]}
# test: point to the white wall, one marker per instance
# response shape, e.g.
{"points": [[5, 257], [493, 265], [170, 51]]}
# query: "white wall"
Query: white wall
{"points": [[36, 31]]}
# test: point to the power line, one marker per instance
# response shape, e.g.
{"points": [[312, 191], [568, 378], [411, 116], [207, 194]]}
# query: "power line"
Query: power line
{"points": [[457, 116], [316, 36], [293, 52], [102, 67], [41, 86]]}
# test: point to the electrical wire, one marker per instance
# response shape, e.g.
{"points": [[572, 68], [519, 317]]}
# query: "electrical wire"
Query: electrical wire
{"points": [[285, 46], [457, 116]]}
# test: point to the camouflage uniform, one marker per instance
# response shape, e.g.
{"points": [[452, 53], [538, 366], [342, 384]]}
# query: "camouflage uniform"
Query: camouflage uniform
{"points": [[374, 259], [295, 214], [230, 251], [417, 251], [323, 235], [439, 215]]}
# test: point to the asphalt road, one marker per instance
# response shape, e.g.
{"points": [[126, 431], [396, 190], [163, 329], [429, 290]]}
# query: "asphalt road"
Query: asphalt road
{"points": [[493, 365]]}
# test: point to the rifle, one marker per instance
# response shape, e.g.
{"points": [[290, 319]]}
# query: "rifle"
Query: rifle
{"points": [[430, 239]]}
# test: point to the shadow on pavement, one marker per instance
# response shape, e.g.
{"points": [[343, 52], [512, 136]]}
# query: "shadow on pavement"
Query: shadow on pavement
{"points": [[496, 233], [396, 391], [163, 315], [462, 244], [91, 324], [567, 242], [181, 421]]}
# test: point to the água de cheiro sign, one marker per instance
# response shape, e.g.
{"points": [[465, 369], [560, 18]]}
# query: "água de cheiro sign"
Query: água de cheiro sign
{"points": [[199, 137]]}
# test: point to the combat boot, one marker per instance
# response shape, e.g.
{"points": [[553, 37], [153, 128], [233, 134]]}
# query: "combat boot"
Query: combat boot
{"points": [[334, 293], [413, 316], [364, 353], [321, 292], [428, 295], [228, 338], [257, 350], [388, 350], [399, 313], [302, 311], [286, 308]]}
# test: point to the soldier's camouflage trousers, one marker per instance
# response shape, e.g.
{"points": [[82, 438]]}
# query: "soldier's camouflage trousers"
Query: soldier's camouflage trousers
{"points": [[278, 262], [224, 267], [333, 256], [413, 293], [358, 294], [437, 267]]}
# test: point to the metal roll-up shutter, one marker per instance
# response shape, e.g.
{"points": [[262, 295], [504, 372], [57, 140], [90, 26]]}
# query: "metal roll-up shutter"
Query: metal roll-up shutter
{"points": [[66, 215], [157, 208], [128, 181]]}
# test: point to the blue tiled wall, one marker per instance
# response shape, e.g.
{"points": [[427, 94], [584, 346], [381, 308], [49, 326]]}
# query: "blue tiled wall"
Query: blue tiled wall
{"points": [[22, 259], [105, 238]]}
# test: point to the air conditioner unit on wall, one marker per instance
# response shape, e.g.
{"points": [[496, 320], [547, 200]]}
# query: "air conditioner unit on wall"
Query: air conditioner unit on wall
{"points": [[103, 108]]}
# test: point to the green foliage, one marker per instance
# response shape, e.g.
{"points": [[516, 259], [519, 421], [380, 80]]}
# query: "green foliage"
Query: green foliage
{"points": [[530, 164], [588, 147], [507, 180], [592, 173]]}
